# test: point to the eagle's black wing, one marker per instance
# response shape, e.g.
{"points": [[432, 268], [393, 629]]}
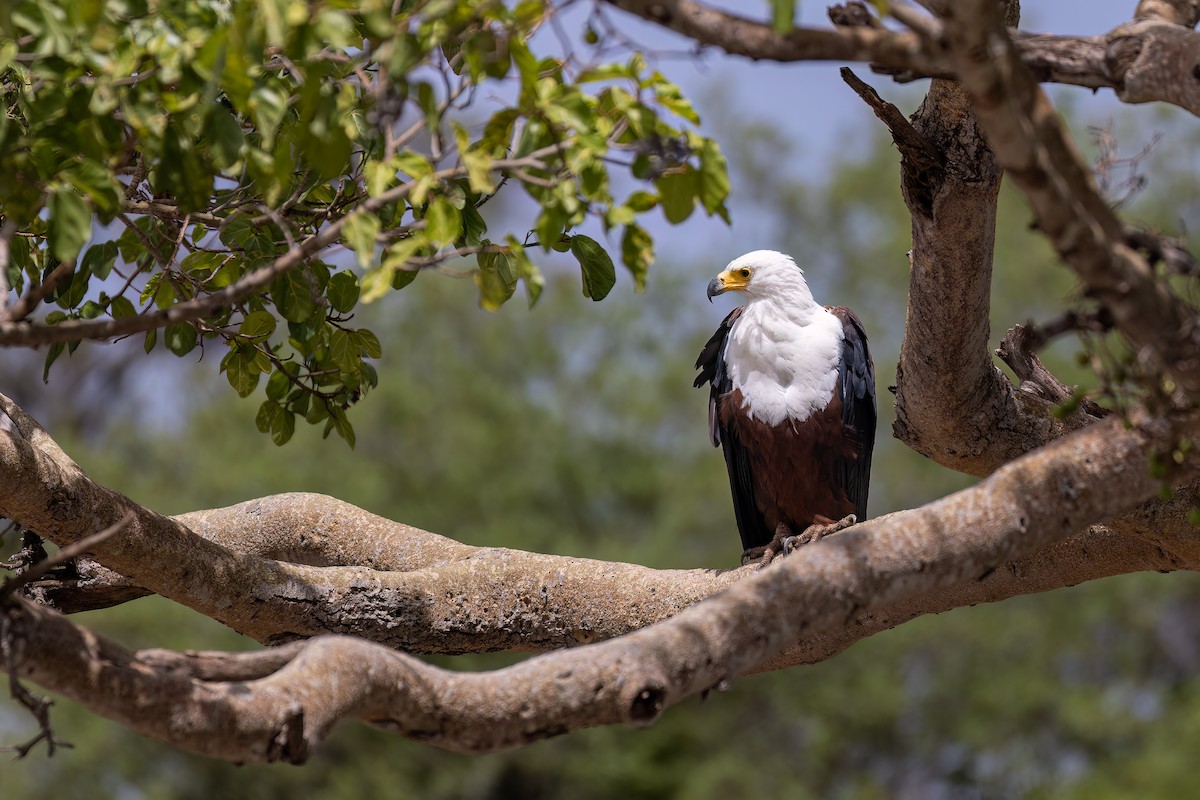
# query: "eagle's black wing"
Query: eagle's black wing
{"points": [[856, 388], [711, 363]]}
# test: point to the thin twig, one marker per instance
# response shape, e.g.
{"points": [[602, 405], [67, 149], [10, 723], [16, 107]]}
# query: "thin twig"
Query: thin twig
{"points": [[7, 229], [38, 292], [39, 707]]}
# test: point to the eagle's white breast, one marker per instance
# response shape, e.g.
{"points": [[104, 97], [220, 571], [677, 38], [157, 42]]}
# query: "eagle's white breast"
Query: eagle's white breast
{"points": [[784, 360]]}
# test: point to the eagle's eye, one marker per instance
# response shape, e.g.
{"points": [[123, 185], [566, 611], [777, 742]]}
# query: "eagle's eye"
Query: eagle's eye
{"points": [[745, 273]]}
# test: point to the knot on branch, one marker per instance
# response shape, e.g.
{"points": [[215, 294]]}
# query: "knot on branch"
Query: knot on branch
{"points": [[648, 703], [854, 14], [1176, 12], [289, 743], [1019, 352], [1172, 252]]}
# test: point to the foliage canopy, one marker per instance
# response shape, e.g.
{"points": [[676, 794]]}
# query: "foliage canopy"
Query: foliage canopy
{"points": [[230, 150]]}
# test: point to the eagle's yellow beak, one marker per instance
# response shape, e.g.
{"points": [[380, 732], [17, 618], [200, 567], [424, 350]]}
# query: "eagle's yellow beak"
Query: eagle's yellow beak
{"points": [[731, 280]]}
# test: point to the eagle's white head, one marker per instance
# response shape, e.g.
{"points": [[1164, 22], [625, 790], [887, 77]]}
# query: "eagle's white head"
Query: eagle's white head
{"points": [[765, 275]]}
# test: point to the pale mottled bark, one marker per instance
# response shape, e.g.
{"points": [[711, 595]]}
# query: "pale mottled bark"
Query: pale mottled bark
{"points": [[218, 706], [1177, 12]]}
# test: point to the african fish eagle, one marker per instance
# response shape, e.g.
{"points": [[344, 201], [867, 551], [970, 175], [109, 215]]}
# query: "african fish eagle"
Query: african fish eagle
{"points": [[792, 404]]}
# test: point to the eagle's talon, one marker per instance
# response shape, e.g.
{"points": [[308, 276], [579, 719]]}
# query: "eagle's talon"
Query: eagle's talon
{"points": [[754, 554]]}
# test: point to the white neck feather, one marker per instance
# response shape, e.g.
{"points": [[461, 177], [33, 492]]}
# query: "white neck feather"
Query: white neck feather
{"points": [[784, 357]]}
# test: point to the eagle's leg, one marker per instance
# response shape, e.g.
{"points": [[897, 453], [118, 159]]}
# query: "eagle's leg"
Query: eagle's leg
{"points": [[816, 531]]}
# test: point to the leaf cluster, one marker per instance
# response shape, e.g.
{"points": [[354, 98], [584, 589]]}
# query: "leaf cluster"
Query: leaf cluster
{"points": [[193, 171]]}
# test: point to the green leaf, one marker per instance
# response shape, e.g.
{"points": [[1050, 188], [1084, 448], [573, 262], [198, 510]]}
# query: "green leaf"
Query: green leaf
{"points": [[224, 136], [180, 339], [342, 291], [783, 14], [159, 290], [479, 171], [71, 292], [369, 343], [277, 420], [393, 272], [278, 385], [443, 224], [342, 425], [282, 427], [182, 174], [359, 232], [98, 259], [267, 413], [70, 223], [257, 325], [95, 182], [551, 223], [637, 253], [318, 411], [240, 372], [713, 177], [51, 356], [151, 340], [677, 194], [403, 277], [527, 271], [496, 279], [121, 307], [641, 201], [293, 295], [474, 226], [599, 274], [344, 350]]}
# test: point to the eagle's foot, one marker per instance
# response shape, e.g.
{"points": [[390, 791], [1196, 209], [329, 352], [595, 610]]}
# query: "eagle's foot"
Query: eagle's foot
{"points": [[816, 532], [765, 555]]}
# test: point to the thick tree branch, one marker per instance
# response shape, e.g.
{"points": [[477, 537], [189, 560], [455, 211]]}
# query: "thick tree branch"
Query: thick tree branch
{"points": [[1031, 144], [1092, 61], [1176, 12], [1156, 61], [1025, 507], [740, 36], [952, 403], [423, 592]]}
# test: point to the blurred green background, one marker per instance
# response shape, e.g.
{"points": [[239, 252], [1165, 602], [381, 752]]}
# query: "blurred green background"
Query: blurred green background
{"points": [[573, 429]]}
